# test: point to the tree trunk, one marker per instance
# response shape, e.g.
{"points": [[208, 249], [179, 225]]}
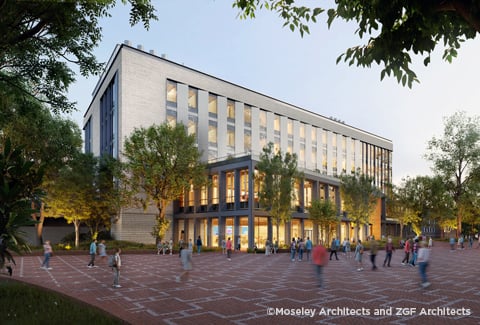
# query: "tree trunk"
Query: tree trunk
{"points": [[76, 224]]}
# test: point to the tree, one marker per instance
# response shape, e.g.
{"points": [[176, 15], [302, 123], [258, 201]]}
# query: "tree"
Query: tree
{"points": [[324, 214], [71, 193], [359, 197], [276, 175], [39, 38], [393, 29], [20, 181], [399, 208], [456, 159], [57, 140], [162, 162], [107, 197]]}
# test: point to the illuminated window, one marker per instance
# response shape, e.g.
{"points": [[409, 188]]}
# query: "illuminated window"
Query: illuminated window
{"points": [[276, 124], [244, 185], [192, 98], [231, 110], [212, 105], [307, 194], [230, 177], [204, 195], [302, 132], [313, 136], [290, 128], [247, 116], [263, 120], [215, 189], [301, 156], [191, 196], [171, 117], [171, 91], [192, 125]]}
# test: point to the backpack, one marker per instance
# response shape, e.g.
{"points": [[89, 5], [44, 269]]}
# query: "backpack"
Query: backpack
{"points": [[111, 261]]}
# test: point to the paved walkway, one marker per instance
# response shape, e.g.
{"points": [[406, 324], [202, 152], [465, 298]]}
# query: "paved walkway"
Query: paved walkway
{"points": [[255, 289]]}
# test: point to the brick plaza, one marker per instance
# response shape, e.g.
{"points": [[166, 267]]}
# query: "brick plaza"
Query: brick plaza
{"points": [[257, 289]]}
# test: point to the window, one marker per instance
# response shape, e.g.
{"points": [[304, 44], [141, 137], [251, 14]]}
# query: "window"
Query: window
{"points": [[87, 130], [244, 188], [192, 125], [231, 111], [230, 177], [276, 124], [171, 117], [307, 194], [231, 136], [171, 91], [212, 133], [247, 141], [108, 119], [313, 135], [212, 105], [204, 196], [290, 128], [263, 120], [214, 189], [263, 140], [192, 98], [247, 116], [191, 196], [302, 132]]}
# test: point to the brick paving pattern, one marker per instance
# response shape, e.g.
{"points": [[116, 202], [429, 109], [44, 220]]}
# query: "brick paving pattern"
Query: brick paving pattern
{"points": [[250, 287]]}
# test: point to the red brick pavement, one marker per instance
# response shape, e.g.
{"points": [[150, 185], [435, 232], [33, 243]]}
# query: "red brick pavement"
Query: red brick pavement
{"points": [[247, 289]]}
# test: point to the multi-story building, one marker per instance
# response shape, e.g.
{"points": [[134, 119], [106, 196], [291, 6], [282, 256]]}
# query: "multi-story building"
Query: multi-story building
{"points": [[232, 124]]}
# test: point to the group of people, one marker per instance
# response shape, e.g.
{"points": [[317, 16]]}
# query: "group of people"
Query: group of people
{"points": [[417, 253], [94, 249], [299, 247]]}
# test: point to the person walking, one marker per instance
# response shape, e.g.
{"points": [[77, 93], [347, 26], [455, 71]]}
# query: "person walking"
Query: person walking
{"points": [[388, 252], [333, 249], [308, 248], [406, 248], [423, 259], [224, 246], [414, 252], [93, 252], [319, 258], [373, 252], [229, 249], [186, 259], [116, 268], [268, 249], [293, 249], [102, 250], [47, 253], [301, 249], [199, 245], [359, 255]]}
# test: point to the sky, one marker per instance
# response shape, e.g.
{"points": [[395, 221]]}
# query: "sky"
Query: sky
{"points": [[263, 56]]}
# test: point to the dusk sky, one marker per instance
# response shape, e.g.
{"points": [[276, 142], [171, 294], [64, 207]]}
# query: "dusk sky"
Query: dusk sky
{"points": [[263, 56]]}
